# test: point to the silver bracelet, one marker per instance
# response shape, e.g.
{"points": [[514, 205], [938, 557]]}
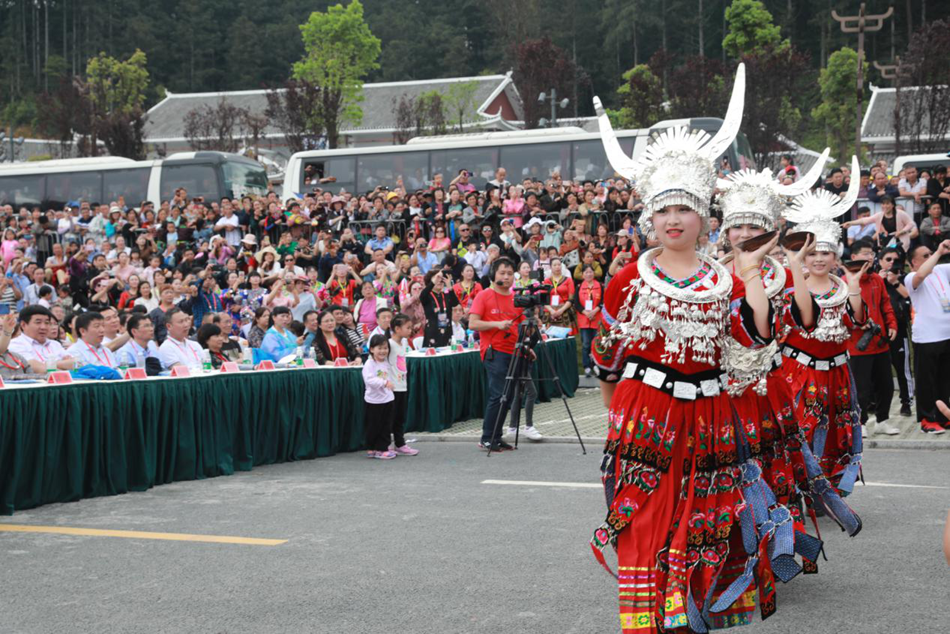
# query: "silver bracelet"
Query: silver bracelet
{"points": [[858, 294]]}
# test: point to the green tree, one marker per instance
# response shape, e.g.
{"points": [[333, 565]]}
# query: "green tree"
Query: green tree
{"points": [[641, 98], [115, 85], [837, 110], [750, 28], [116, 93], [460, 100], [340, 50]]}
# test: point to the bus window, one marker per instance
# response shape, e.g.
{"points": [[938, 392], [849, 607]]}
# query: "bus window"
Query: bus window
{"points": [[743, 152], [538, 161], [343, 169], [81, 186], [132, 184], [21, 190], [199, 179], [480, 162], [590, 161], [385, 169], [242, 178]]}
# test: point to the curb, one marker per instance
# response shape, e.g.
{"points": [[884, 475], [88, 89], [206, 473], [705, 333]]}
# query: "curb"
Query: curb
{"points": [[930, 445], [933, 445], [550, 440]]}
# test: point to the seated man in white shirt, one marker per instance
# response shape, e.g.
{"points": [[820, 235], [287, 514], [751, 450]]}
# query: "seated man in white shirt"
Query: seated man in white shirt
{"points": [[114, 338], [34, 344], [91, 328], [178, 349], [141, 344]]}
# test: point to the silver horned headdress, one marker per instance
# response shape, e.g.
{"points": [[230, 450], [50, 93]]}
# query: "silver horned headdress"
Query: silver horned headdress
{"points": [[678, 167], [756, 198], [815, 211]]}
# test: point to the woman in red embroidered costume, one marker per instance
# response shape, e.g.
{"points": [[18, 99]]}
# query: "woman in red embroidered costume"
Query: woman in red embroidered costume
{"points": [[673, 468], [752, 203], [816, 359]]}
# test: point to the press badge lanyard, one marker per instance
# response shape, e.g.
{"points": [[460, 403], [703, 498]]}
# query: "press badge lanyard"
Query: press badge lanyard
{"points": [[96, 354], [944, 300], [16, 361], [186, 347]]}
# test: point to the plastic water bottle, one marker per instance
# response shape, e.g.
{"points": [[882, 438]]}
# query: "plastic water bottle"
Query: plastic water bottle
{"points": [[206, 360], [470, 337], [139, 359], [300, 352]]}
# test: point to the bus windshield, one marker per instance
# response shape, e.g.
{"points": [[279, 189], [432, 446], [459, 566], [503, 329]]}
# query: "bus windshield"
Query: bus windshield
{"points": [[241, 178]]}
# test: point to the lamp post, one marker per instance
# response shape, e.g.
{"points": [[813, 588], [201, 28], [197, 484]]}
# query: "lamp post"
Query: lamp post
{"points": [[893, 72], [552, 97], [860, 24]]}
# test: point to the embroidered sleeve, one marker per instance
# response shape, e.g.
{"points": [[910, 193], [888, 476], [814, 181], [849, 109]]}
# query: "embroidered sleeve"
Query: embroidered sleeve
{"points": [[742, 319], [608, 355], [850, 321], [793, 316]]}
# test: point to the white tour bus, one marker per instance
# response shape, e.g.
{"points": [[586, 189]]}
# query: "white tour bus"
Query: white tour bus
{"points": [[51, 184], [573, 153]]}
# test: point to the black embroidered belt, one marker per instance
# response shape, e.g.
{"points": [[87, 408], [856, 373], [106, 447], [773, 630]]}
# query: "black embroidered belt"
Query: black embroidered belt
{"points": [[822, 365], [687, 387]]}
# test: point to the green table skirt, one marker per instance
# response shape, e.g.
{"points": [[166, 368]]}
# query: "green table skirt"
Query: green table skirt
{"points": [[89, 439], [447, 389], [61, 444]]}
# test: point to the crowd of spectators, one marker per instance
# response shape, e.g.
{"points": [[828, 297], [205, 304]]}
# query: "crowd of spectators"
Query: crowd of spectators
{"points": [[199, 282]]}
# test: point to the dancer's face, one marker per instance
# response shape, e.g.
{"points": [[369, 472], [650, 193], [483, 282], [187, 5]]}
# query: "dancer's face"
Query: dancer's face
{"points": [[740, 233], [677, 227], [820, 263]]}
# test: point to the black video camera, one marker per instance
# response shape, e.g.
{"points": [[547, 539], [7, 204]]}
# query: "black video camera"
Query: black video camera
{"points": [[533, 296]]}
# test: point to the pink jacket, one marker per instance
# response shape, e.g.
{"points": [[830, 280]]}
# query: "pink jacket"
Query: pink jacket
{"points": [[904, 221]]}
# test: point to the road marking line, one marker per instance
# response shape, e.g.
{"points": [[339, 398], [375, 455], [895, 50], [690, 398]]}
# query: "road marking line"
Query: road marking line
{"points": [[174, 537], [531, 483], [591, 485], [902, 486]]}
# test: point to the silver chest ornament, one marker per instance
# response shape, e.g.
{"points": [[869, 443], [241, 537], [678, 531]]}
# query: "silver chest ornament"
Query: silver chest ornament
{"points": [[687, 319], [831, 326], [750, 366]]}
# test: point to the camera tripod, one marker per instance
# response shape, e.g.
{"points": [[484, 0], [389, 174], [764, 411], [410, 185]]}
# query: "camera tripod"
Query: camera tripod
{"points": [[519, 373]]}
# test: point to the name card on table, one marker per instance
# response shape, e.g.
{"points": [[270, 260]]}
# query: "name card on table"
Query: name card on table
{"points": [[181, 371], [309, 363], [341, 363], [230, 366], [135, 374], [265, 365], [431, 352], [1, 382], [62, 377]]}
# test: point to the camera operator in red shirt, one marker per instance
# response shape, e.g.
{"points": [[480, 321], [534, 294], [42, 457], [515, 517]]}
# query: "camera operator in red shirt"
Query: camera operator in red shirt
{"points": [[496, 318]]}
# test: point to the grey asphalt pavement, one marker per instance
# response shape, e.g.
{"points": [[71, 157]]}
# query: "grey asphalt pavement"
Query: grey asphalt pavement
{"points": [[423, 545]]}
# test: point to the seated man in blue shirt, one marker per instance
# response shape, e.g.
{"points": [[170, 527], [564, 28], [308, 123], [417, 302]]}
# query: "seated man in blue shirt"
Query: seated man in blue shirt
{"points": [[381, 241], [422, 257], [861, 232]]}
